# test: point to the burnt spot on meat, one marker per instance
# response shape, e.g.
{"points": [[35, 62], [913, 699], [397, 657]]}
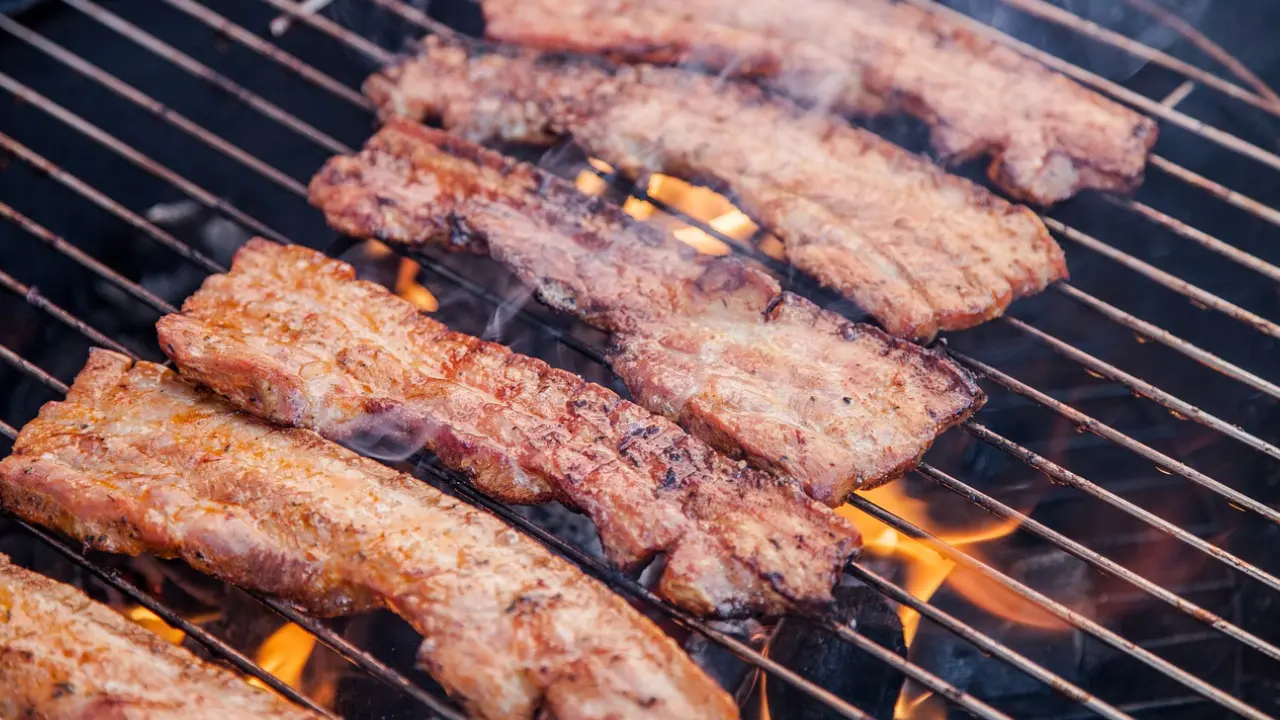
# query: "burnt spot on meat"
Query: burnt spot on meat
{"points": [[774, 304]]}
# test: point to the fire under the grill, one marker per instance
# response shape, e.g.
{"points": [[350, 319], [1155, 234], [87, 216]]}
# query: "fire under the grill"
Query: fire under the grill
{"points": [[1099, 540]]}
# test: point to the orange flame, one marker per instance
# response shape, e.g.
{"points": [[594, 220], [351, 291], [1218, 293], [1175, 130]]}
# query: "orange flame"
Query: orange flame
{"points": [[699, 203], [285, 654], [407, 287], [152, 622], [926, 569], [923, 705]]}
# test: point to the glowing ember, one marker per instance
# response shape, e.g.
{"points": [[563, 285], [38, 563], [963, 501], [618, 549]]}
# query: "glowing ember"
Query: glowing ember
{"points": [[285, 654]]}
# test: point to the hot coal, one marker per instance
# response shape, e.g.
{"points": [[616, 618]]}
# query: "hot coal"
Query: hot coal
{"points": [[804, 646]]}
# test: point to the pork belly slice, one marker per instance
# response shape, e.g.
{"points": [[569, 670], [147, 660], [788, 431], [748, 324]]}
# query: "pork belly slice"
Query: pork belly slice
{"points": [[63, 655], [291, 336], [136, 460], [711, 343], [918, 249], [1048, 136]]}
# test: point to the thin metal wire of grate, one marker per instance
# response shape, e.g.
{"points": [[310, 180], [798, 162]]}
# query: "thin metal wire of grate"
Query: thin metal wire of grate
{"points": [[433, 265]]}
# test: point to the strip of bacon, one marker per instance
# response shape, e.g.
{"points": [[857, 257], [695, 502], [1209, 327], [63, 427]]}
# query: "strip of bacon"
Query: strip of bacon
{"points": [[63, 655], [135, 460], [1049, 137], [709, 342], [918, 249], [290, 335]]}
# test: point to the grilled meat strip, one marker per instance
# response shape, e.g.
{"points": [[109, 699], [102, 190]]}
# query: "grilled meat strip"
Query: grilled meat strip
{"points": [[1049, 136], [64, 656], [291, 336], [135, 460], [709, 342], [918, 249]]}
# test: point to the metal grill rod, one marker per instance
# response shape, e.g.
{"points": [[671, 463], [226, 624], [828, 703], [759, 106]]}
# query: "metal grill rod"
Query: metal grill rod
{"points": [[38, 301], [1178, 406], [135, 290], [1064, 476], [1182, 287], [215, 646], [442, 708], [1216, 189], [1096, 427], [1168, 339], [189, 64], [263, 47], [1064, 18], [204, 197], [1097, 560], [102, 201], [1200, 237], [325, 25]]}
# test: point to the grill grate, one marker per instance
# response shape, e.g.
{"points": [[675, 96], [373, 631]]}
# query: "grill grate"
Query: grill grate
{"points": [[942, 479]]}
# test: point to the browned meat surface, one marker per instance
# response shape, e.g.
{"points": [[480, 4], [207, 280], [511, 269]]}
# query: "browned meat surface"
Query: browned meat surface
{"points": [[66, 657], [918, 249], [289, 335], [1049, 137], [709, 342], [135, 460]]}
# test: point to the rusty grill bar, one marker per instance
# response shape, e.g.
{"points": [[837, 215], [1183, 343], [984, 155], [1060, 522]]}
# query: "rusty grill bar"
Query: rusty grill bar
{"points": [[625, 584]]}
